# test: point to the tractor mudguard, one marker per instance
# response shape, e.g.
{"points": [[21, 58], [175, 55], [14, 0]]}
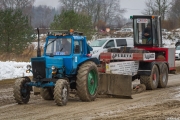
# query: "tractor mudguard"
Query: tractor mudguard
{"points": [[95, 60], [115, 84]]}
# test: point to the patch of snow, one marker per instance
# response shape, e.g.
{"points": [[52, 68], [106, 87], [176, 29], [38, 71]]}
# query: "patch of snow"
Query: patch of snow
{"points": [[12, 69]]}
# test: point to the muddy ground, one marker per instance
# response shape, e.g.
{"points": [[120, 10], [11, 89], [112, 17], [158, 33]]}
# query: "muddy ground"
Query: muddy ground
{"points": [[150, 104]]}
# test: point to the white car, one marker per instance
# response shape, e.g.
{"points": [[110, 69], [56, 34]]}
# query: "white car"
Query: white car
{"points": [[101, 45], [177, 52], [124, 30]]}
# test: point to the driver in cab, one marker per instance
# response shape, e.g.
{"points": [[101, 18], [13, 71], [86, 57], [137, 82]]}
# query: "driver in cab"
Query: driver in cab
{"points": [[147, 33], [65, 46]]}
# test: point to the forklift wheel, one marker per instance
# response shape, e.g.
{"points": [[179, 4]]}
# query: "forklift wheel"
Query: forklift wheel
{"points": [[163, 77], [151, 82]]}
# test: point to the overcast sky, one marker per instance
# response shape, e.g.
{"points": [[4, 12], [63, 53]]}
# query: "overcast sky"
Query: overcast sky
{"points": [[133, 7]]}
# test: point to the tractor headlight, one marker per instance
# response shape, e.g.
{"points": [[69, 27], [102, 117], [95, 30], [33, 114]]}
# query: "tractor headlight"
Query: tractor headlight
{"points": [[28, 67], [54, 70], [27, 71]]}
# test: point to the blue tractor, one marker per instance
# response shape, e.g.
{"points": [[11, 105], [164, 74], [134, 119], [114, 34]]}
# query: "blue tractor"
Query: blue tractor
{"points": [[65, 64]]}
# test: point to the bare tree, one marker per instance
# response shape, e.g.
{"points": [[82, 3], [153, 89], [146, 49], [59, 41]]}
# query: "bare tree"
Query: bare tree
{"points": [[42, 16], [15, 4], [104, 10], [157, 7], [111, 10], [174, 14]]}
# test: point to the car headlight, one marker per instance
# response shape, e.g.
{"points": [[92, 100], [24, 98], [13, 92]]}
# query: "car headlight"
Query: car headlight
{"points": [[28, 67]]}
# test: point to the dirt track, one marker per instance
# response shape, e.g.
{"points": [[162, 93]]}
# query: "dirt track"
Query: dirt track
{"points": [[156, 104]]}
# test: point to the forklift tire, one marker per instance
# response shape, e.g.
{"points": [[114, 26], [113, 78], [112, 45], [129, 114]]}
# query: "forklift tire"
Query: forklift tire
{"points": [[21, 92], [87, 81], [163, 77], [61, 92], [46, 93], [151, 82]]}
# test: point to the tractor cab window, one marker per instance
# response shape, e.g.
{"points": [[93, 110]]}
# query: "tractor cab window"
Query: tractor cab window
{"points": [[59, 46], [145, 31], [77, 46]]}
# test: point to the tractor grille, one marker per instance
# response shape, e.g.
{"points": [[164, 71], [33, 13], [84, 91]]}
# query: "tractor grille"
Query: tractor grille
{"points": [[39, 69]]}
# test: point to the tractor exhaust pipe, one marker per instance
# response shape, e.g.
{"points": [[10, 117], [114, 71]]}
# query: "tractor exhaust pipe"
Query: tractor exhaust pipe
{"points": [[38, 49]]}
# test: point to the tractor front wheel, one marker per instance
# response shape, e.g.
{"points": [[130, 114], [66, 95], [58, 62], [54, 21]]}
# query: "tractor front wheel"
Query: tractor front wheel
{"points": [[61, 92], [47, 93], [21, 91], [151, 82], [87, 81]]}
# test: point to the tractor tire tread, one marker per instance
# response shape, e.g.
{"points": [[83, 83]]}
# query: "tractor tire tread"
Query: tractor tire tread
{"points": [[81, 83], [17, 91], [46, 93], [58, 92]]}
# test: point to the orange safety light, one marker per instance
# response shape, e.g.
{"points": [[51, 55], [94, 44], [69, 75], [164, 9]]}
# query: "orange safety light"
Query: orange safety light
{"points": [[71, 30], [153, 17]]}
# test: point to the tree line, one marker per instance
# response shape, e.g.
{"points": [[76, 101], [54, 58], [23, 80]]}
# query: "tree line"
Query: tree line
{"points": [[18, 18]]}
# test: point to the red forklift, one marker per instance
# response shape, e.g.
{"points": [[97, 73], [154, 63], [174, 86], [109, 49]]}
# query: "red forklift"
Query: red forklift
{"points": [[147, 61]]}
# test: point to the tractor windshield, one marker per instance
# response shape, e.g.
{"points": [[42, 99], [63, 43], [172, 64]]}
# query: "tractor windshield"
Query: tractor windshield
{"points": [[59, 46]]}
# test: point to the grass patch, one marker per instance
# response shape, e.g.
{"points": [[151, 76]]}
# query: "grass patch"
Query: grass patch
{"points": [[7, 81], [178, 69]]}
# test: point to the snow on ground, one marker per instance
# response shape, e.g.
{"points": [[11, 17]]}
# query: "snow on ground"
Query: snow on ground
{"points": [[12, 69]]}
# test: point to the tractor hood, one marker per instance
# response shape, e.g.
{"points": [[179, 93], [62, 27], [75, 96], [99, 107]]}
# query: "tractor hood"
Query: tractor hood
{"points": [[41, 66], [49, 61]]}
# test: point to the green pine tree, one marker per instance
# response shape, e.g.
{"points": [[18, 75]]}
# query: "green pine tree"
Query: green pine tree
{"points": [[15, 31]]}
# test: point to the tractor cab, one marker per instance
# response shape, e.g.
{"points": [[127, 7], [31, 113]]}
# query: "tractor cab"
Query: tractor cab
{"points": [[147, 31], [64, 43]]}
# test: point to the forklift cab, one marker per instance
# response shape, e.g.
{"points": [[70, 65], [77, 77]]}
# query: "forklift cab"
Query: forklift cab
{"points": [[147, 31]]}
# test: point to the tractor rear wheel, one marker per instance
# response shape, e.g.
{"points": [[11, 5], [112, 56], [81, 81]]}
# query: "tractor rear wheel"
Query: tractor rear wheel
{"points": [[151, 82], [61, 92], [163, 77], [21, 91], [87, 81], [46, 93]]}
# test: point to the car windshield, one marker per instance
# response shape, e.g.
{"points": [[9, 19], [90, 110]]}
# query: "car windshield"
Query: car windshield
{"points": [[178, 48], [97, 43], [59, 46]]}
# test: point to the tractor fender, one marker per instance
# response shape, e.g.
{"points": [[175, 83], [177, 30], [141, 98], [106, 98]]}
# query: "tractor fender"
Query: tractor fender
{"points": [[95, 60]]}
